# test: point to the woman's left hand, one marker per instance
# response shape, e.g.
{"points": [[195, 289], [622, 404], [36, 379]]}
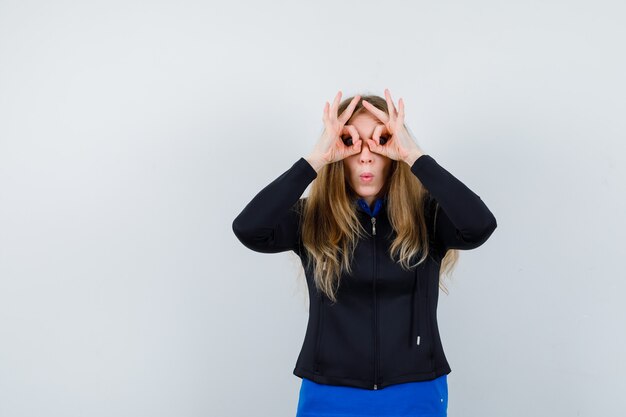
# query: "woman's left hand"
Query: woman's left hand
{"points": [[401, 145]]}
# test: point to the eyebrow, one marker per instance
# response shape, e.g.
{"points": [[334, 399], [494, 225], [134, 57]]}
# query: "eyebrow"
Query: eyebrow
{"points": [[383, 133]]}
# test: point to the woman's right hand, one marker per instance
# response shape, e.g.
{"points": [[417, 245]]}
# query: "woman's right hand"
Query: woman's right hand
{"points": [[330, 147]]}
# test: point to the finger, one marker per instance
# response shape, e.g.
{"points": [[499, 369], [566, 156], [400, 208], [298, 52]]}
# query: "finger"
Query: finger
{"points": [[354, 134], [356, 148], [381, 115], [401, 111], [376, 148], [390, 106], [348, 111], [378, 130], [351, 130], [336, 105], [325, 112]]}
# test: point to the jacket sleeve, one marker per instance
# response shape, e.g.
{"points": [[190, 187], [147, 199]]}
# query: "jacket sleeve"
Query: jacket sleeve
{"points": [[461, 218], [270, 222]]}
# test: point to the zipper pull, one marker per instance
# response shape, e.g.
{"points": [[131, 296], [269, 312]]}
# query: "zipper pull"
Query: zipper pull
{"points": [[373, 225]]}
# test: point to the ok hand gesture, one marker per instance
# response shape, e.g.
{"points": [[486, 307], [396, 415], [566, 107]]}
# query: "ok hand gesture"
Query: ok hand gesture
{"points": [[330, 147], [401, 145]]}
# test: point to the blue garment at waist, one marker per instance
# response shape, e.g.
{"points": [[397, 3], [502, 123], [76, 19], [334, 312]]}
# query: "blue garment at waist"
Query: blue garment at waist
{"points": [[415, 399]]}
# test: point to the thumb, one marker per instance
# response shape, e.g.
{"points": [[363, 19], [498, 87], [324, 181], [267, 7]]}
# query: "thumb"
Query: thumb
{"points": [[356, 148], [375, 147]]}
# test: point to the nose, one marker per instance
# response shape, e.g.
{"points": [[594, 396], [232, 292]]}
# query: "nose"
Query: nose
{"points": [[366, 154]]}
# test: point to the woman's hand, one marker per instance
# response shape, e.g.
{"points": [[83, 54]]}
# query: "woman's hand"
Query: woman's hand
{"points": [[330, 147], [401, 145]]}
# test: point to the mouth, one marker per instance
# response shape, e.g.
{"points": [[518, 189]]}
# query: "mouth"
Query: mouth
{"points": [[366, 177]]}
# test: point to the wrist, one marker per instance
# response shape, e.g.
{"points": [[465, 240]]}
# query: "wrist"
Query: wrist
{"points": [[413, 156], [315, 162]]}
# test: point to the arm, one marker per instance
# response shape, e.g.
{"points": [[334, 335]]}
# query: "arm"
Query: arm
{"points": [[462, 220], [269, 223]]}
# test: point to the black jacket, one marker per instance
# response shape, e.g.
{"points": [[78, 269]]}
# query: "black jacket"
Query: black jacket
{"points": [[383, 328]]}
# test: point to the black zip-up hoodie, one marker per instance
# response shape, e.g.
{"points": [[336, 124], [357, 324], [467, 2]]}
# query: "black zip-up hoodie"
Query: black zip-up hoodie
{"points": [[383, 328]]}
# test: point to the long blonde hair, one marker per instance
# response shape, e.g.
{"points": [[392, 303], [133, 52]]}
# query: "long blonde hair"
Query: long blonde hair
{"points": [[331, 229]]}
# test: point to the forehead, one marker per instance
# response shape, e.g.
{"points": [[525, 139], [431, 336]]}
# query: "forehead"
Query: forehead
{"points": [[364, 119]]}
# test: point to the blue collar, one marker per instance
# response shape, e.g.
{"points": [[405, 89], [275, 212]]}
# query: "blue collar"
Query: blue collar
{"points": [[378, 204]]}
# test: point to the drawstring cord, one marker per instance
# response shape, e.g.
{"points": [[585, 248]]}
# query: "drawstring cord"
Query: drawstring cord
{"points": [[415, 305]]}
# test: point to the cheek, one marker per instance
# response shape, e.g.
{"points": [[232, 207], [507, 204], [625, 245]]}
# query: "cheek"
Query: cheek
{"points": [[385, 172], [387, 168], [349, 167]]}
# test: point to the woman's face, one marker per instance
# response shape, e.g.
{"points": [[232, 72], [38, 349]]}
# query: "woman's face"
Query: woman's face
{"points": [[366, 171]]}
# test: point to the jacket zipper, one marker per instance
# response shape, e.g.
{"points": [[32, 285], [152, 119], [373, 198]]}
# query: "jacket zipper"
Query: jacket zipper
{"points": [[375, 312]]}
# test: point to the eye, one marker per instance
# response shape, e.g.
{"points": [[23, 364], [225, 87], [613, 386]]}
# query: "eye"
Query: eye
{"points": [[383, 140], [347, 140]]}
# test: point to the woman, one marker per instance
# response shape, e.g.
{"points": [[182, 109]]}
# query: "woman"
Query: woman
{"points": [[382, 222]]}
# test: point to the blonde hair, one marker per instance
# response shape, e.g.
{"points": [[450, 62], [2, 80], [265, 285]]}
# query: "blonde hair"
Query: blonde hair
{"points": [[331, 229]]}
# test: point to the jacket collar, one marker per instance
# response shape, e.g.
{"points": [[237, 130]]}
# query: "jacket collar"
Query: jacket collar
{"points": [[378, 205]]}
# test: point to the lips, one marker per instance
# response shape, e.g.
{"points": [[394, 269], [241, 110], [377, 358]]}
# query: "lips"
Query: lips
{"points": [[366, 177]]}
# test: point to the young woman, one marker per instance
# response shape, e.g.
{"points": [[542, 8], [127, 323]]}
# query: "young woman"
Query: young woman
{"points": [[382, 223]]}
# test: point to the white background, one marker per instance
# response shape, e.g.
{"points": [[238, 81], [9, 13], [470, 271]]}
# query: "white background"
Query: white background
{"points": [[133, 132]]}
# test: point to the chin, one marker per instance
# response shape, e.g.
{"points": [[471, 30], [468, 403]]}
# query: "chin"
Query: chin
{"points": [[368, 191]]}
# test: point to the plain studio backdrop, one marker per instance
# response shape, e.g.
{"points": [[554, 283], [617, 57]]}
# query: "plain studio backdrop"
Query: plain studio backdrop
{"points": [[133, 132]]}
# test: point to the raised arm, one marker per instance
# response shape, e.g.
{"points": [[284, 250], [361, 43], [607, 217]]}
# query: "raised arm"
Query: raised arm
{"points": [[269, 223], [462, 220]]}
